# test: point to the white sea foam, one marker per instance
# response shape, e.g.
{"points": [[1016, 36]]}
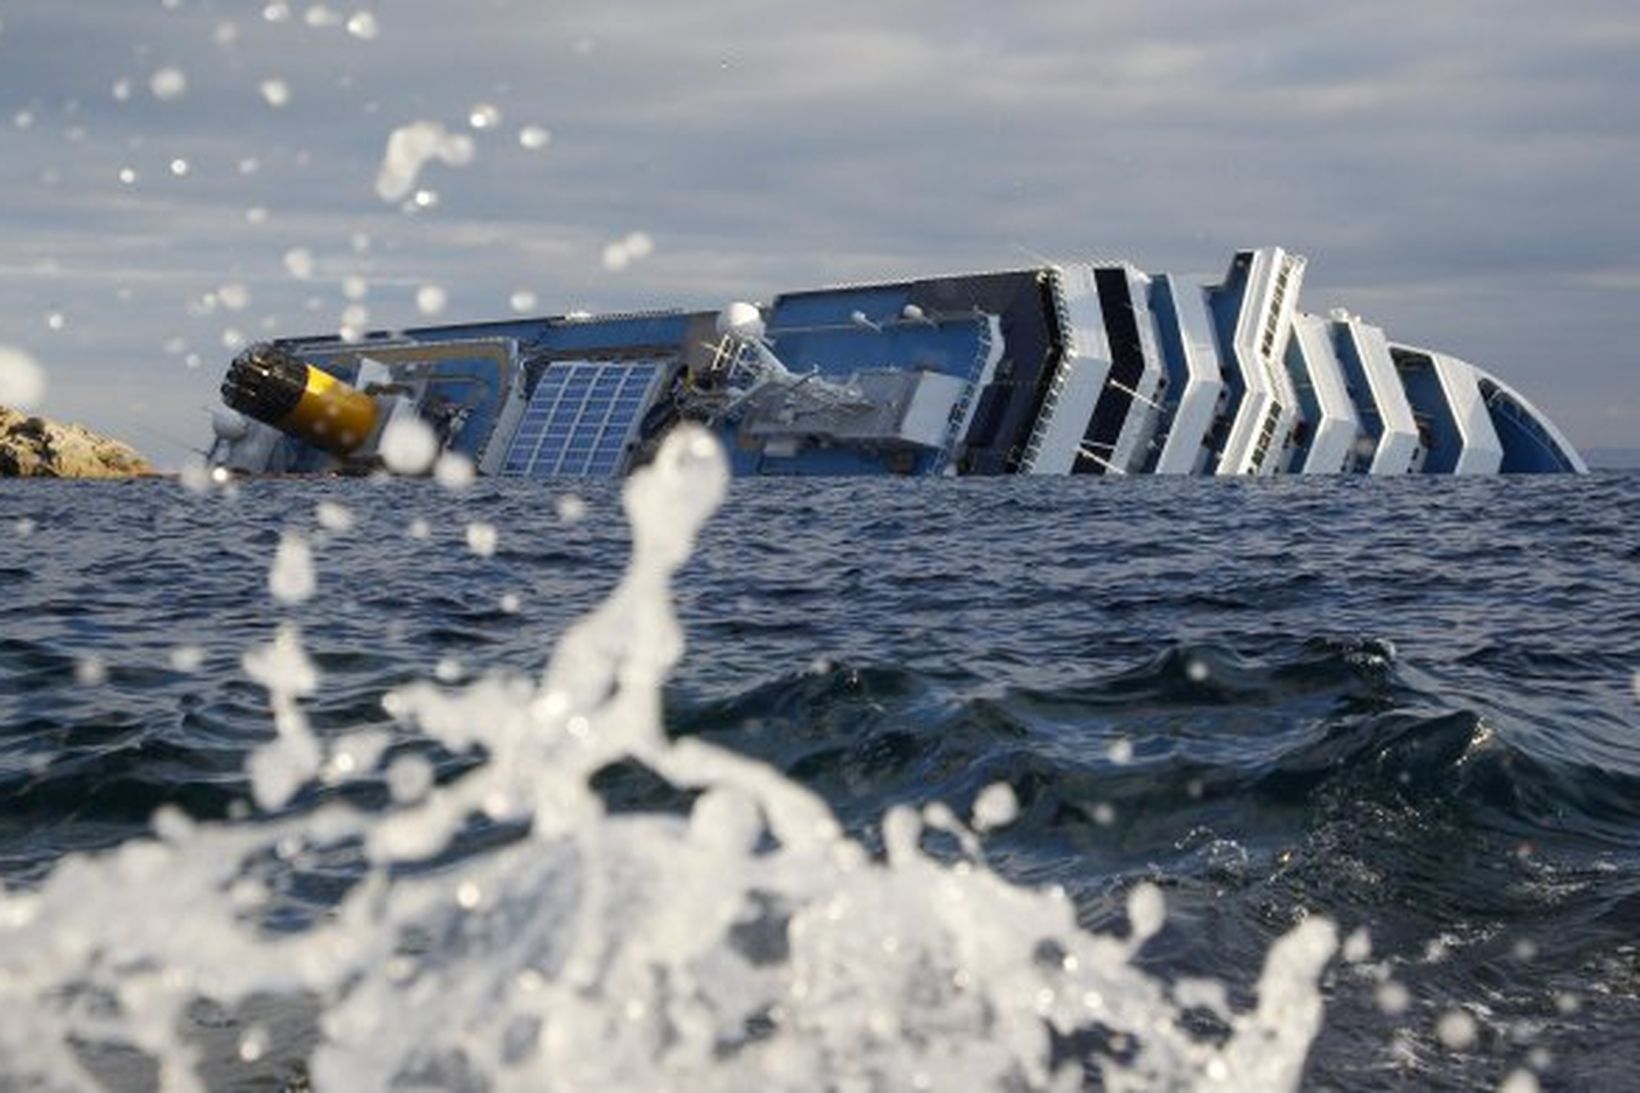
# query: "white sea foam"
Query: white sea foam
{"points": [[748, 944]]}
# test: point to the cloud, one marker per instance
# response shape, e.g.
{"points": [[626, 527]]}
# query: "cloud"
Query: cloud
{"points": [[1465, 185]]}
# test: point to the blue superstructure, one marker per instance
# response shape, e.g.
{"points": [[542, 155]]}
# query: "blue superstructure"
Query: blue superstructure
{"points": [[1084, 368]]}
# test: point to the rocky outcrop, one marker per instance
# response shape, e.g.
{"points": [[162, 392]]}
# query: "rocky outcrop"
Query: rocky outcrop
{"points": [[32, 447]]}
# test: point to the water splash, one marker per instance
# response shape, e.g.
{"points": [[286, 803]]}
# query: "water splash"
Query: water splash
{"points": [[744, 944], [410, 148], [22, 380], [623, 252]]}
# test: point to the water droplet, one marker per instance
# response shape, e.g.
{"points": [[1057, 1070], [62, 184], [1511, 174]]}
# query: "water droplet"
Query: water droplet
{"points": [[534, 138], [408, 445], [430, 299], [249, 165], [425, 199], [571, 509], [618, 255], [355, 319], [1358, 946], [510, 603], [275, 93], [168, 84], [418, 529], [23, 119], [24, 527], [355, 287], [56, 320], [91, 671], [334, 516], [179, 167], [481, 538], [187, 658], [1393, 998], [1120, 751], [128, 176], [226, 34], [299, 263], [996, 806], [1520, 1081], [121, 90], [1147, 910], [22, 380], [233, 338], [469, 896], [410, 148], [639, 244], [276, 12], [256, 214], [523, 301], [234, 296], [291, 578], [317, 15], [1457, 1029], [363, 25], [484, 115], [454, 471]]}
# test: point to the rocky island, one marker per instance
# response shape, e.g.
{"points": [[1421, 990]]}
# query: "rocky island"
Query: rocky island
{"points": [[33, 447]]}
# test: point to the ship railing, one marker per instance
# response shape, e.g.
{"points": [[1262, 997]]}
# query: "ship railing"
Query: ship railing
{"points": [[984, 346]]}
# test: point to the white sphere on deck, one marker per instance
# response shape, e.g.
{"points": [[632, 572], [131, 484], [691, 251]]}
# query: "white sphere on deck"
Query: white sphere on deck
{"points": [[741, 319]]}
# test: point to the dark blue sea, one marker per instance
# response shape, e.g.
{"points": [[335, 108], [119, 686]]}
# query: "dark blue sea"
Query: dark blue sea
{"points": [[1410, 706]]}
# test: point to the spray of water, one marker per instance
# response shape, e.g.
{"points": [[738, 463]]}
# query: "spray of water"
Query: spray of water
{"points": [[746, 944]]}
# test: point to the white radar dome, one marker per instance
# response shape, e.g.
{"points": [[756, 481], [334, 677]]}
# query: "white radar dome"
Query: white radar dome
{"points": [[228, 424], [741, 319]]}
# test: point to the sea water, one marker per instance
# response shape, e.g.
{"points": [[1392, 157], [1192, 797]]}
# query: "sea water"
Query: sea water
{"points": [[880, 785]]}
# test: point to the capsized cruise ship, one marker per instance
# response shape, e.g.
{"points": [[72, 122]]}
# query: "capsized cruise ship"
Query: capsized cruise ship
{"points": [[1083, 368]]}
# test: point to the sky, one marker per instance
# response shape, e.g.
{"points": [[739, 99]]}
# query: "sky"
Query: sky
{"points": [[178, 177]]}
